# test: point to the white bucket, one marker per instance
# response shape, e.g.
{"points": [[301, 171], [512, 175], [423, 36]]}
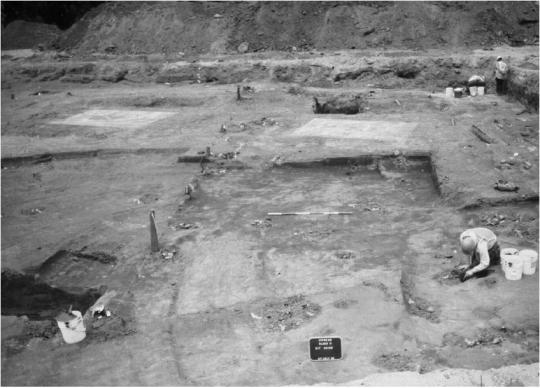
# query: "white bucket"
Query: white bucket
{"points": [[473, 90], [513, 267], [73, 331], [480, 90], [507, 253], [449, 92], [530, 260]]}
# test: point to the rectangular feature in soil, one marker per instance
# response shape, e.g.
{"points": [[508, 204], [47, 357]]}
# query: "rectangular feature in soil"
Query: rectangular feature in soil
{"points": [[114, 118], [357, 129]]}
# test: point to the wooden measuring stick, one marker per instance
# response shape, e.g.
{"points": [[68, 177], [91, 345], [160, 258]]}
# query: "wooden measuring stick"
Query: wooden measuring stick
{"points": [[309, 213]]}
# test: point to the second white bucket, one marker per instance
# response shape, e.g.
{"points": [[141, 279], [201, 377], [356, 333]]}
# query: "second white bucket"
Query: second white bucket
{"points": [[480, 90], [473, 90], [449, 92], [530, 260]]}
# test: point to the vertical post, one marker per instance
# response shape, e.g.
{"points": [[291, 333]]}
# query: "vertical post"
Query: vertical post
{"points": [[154, 244]]}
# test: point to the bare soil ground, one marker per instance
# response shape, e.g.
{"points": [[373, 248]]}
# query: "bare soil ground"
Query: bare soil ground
{"points": [[235, 295]]}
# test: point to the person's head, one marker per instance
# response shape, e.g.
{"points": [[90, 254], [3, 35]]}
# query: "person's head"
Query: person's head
{"points": [[468, 245], [499, 58]]}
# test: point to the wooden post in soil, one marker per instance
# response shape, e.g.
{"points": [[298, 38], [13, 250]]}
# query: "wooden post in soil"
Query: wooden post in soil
{"points": [[154, 244]]}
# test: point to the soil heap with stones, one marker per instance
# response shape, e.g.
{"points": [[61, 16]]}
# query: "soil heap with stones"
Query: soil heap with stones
{"points": [[219, 28]]}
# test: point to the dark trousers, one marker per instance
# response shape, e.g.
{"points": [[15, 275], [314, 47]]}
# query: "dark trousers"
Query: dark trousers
{"points": [[494, 259], [501, 86]]}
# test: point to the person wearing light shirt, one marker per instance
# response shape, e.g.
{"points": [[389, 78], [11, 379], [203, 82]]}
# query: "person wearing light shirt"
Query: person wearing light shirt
{"points": [[501, 74], [482, 248]]}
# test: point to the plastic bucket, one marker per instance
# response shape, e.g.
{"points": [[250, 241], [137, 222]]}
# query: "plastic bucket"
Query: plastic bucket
{"points": [[449, 92], [507, 253], [473, 90], [530, 260], [513, 267], [72, 330], [480, 90]]}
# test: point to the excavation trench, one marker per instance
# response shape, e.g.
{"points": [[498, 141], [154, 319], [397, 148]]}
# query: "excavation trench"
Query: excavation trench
{"points": [[66, 279], [370, 193], [24, 295]]}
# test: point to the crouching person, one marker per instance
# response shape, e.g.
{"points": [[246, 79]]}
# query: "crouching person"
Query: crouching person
{"points": [[482, 248]]}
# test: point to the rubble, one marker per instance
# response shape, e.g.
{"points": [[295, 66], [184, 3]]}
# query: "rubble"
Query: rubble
{"points": [[503, 185]]}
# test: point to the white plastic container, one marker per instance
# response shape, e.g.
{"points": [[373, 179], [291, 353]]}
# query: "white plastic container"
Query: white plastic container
{"points": [[480, 90], [530, 260], [507, 253], [72, 330], [449, 92], [473, 90], [513, 267]]}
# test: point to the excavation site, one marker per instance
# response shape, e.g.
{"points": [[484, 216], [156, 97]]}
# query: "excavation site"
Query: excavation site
{"points": [[269, 193]]}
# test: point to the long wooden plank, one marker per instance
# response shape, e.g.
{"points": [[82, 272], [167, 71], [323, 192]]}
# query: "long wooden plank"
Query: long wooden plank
{"points": [[309, 213]]}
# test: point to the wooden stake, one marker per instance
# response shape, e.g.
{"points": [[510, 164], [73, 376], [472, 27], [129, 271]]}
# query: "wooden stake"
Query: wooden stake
{"points": [[154, 244], [238, 95]]}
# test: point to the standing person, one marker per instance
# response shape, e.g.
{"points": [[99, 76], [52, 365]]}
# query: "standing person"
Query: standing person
{"points": [[501, 74], [481, 245]]}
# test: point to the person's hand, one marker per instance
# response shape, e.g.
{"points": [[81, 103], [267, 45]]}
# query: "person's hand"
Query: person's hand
{"points": [[466, 275]]}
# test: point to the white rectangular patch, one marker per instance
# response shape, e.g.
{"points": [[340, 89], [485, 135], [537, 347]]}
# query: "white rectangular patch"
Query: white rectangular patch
{"points": [[114, 118], [356, 129]]}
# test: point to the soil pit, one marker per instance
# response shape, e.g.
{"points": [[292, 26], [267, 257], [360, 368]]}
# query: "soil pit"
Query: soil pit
{"points": [[85, 269], [349, 270], [24, 295], [312, 253]]}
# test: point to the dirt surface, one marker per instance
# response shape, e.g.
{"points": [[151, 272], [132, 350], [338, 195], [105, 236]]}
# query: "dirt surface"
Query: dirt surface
{"points": [[27, 35], [202, 27], [91, 147]]}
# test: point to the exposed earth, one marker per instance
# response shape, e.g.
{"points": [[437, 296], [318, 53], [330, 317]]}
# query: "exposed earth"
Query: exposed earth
{"points": [[92, 142]]}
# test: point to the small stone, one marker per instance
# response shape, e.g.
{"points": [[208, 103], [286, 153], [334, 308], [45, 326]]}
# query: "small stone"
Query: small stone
{"points": [[430, 309], [243, 47], [470, 343]]}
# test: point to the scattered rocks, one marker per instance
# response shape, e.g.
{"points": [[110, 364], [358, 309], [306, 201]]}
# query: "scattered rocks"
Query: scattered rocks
{"points": [[184, 226], [167, 255], [345, 255], [32, 211], [265, 122], [486, 337], [287, 314], [493, 220], [266, 223], [503, 185]]}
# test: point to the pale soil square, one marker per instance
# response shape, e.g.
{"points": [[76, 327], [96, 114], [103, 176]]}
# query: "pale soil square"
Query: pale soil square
{"points": [[114, 118], [356, 129]]}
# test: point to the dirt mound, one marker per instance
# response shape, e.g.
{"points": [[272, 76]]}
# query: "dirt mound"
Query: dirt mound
{"points": [[201, 27], [20, 35]]}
